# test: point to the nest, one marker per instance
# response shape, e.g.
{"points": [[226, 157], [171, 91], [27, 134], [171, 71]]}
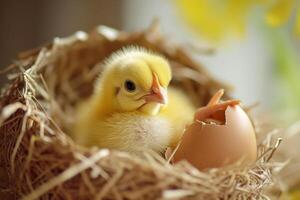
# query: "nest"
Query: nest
{"points": [[40, 161]]}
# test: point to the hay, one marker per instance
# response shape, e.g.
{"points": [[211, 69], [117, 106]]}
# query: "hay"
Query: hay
{"points": [[41, 161]]}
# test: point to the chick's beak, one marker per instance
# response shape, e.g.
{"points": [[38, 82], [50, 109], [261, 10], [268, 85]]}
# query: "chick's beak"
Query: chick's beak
{"points": [[158, 94]]}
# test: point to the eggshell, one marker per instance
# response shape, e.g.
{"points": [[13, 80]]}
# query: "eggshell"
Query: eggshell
{"points": [[211, 145]]}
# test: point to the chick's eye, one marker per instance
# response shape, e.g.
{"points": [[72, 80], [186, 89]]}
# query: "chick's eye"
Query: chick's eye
{"points": [[130, 86]]}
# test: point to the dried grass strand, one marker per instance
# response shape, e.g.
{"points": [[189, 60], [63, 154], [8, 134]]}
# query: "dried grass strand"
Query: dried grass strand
{"points": [[67, 174]]}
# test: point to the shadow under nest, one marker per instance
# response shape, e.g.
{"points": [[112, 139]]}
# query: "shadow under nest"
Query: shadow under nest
{"points": [[41, 161]]}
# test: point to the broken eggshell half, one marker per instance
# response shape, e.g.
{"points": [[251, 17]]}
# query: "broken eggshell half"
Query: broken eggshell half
{"points": [[212, 145]]}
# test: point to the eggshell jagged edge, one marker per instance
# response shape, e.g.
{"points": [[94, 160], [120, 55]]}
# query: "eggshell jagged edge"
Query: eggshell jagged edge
{"points": [[232, 114]]}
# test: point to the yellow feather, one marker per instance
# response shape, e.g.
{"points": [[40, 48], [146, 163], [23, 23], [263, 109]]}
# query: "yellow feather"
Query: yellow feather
{"points": [[116, 118], [179, 111]]}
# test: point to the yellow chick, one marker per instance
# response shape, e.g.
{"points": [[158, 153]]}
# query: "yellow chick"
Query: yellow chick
{"points": [[132, 108]]}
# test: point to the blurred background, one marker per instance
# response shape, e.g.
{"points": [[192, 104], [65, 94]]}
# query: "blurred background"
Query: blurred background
{"points": [[255, 42]]}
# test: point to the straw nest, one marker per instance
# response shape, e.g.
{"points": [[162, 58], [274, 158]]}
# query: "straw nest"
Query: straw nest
{"points": [[39, 160]]}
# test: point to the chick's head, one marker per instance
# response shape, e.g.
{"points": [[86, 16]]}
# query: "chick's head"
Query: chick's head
{"points": [[137, 80]]}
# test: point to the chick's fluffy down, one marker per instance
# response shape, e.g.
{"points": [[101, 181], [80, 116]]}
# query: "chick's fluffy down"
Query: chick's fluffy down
{"points": [[136, 132], [150, 117], [130, 132]]}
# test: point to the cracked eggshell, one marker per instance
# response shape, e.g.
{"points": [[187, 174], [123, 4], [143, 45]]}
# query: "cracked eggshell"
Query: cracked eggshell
{"points": [[210, 145]]}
